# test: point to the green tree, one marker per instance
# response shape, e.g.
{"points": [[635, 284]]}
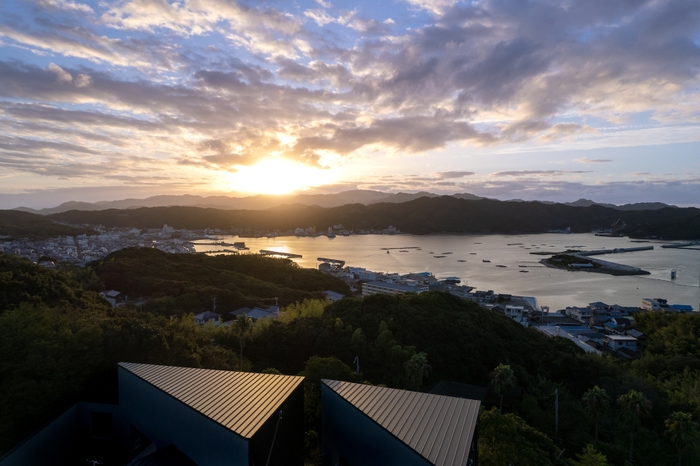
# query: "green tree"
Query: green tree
{"points": [[635, 406], [509, 440], [503, 379], [242, 327], [596, 400], [417, 368], [683, 432], [590, 457]]}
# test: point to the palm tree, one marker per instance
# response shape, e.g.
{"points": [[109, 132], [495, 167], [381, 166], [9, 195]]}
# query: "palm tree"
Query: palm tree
{"points": [[683, 432], [596, 400], [417, 368], [634, 406], [503, 379], [242, 326]]}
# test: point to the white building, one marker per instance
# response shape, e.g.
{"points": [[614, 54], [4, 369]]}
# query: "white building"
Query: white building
{"points": [[390, 288], [617, 342], [649, 304]]}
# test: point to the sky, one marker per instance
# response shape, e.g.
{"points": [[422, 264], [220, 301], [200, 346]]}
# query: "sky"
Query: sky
{"points": [[550, 100]]}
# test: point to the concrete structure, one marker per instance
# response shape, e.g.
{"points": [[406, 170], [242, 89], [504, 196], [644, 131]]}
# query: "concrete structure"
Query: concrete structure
{"points": [[390, 288], [368, 425], [649, 304]]}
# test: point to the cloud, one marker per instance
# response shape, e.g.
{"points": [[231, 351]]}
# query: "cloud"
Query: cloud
{"points": [[587, 160], [450, 175], [60, 73], [209, 85], [538, 173]]}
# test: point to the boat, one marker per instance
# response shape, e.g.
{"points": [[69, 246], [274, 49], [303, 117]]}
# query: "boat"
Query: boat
{"points": [[387, 252], [461, 260], [438, 257], [523, 271], [485, 260]]}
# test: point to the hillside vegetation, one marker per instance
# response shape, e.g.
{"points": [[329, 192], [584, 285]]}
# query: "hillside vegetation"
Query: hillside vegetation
{"points": [[59, 343], [16, 224], [421, 216]]}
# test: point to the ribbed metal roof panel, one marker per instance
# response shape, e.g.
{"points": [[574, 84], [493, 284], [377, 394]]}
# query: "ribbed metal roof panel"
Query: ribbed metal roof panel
{"points": [[439, 428], [239, 401]]}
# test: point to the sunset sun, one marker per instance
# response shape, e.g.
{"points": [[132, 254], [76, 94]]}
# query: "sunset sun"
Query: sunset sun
{"points": [[277, 176]]}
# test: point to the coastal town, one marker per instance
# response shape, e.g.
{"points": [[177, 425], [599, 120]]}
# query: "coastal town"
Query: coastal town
{"points": [[596, 328]]}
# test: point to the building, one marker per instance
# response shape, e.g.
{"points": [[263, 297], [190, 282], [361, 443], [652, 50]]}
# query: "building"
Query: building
{"points": [[113, 297], [272, 312], [333, 296], [582, 314], [390, 288], [178, 416], [649, 304], [619, 342], [368, 425], [208, 316]]}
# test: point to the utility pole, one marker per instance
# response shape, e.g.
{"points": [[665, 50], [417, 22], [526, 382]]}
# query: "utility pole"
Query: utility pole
{"points": [[214, 304], [357, 364]]}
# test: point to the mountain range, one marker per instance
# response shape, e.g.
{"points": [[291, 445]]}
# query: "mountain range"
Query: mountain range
{"points": [[262, 202]]}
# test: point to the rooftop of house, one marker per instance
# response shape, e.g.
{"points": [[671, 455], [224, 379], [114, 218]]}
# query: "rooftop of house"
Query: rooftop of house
{"points": [[439, 428], [239, 401]]}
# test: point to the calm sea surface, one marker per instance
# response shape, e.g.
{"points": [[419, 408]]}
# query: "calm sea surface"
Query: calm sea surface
{"points": [[555, 288]]}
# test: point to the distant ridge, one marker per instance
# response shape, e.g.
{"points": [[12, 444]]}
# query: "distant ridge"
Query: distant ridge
{"points": [[263, 202], [425, 215]]}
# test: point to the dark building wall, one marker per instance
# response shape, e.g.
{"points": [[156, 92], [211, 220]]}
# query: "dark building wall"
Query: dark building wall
{"points": [[288, 449], [165, 420], [49, 446], [358, 439]]}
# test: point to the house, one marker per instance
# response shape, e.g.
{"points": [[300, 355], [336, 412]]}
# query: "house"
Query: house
{"points": [[649, 304], [113, 297], [683, 308], [178, 416], [618, 342], [333, 296], [582, 314], [598, 307], [208, 316], [368, 425], [272, 312]]}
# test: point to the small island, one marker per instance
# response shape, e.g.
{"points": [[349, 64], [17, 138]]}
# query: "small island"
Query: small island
{"points": [[574, 261]]}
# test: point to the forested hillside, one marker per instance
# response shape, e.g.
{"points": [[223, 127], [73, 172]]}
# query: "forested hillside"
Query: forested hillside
{"points": [[59, 343], [179, 283], [16, 224], [421, 216]]}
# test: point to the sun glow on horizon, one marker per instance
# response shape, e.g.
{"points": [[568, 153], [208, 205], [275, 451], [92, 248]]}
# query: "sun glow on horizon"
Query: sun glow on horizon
{"points": [[277, 176]]}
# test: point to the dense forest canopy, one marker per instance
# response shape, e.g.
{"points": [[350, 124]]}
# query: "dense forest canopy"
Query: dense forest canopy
{"points": [[16, 224], [60, 342], [179, 283], [421, 216]]}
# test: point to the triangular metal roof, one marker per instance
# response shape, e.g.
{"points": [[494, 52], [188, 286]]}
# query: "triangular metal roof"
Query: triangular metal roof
{"points": [[239, 401], [439, 428]]}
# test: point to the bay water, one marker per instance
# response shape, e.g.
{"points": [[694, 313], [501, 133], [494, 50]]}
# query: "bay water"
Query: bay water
{"points": [[511, 268]]}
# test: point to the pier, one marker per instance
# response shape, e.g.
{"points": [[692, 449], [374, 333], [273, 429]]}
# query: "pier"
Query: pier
{"points": [[336, 263], [287, 255], [595, 252], [681, 245]]}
